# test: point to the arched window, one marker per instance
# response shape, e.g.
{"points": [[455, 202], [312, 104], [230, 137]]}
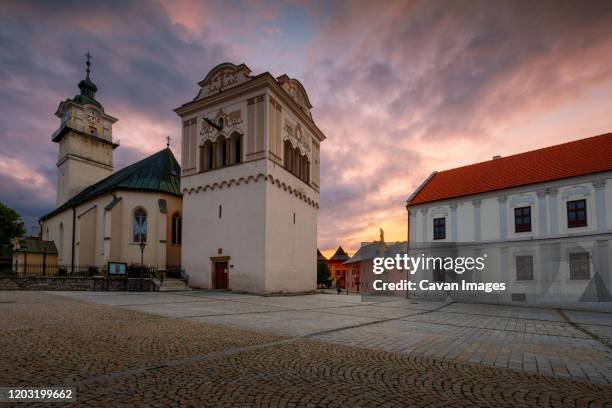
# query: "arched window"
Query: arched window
{"points": [[177, 227], [221, 152], [288, 155], [236, 148], [206, 156], [140, 225], [306, 170], [60, 244], [296, 161]]}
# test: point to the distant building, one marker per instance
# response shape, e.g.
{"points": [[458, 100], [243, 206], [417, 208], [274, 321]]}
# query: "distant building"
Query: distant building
{"points": [[337, 268], [359, 268], [34, 256], [320, 256], [543, 218]]}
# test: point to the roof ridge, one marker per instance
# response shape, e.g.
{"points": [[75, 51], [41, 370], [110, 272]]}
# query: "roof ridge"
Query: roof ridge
{"points": [[503, 158]]}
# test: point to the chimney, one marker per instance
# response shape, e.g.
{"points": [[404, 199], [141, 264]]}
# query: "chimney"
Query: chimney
{"points": [[496, 157]]}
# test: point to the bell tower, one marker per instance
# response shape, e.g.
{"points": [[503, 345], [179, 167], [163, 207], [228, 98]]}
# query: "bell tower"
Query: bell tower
{"points": [[85, 141]]}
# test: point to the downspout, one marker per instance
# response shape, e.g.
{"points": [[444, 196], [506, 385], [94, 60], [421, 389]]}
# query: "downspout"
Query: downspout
{"points": [[73, 239]]}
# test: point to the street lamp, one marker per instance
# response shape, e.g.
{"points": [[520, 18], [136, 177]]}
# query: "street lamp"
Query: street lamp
{"points": [[142, 247]]}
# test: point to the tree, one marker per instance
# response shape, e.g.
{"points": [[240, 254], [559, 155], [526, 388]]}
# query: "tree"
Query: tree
{"points": [[323, 274], [11, 226]]}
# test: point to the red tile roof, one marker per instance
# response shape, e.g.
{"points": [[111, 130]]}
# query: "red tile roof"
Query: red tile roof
{"points": [[577, 158]]}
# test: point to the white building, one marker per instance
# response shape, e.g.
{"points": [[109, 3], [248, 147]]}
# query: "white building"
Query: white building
{"points": [[543, 218], [250, 183]]}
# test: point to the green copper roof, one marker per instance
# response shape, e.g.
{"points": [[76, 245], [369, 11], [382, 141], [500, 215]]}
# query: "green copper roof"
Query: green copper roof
{"points": [[159, 172]]}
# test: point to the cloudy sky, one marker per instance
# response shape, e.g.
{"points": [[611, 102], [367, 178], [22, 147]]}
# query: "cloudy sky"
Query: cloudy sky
{"points": [[399, 88]]}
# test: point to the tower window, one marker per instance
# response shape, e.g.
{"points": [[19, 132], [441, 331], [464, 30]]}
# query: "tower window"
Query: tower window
{"points": [[140, 225], [220, 210], [288, 155], [206, 156], [236, 149]]}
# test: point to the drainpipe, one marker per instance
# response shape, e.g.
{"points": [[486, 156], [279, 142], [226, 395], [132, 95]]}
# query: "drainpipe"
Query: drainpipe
{"points": [[73, 239]]}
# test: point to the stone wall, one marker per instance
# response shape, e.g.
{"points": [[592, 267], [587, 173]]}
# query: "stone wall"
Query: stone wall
{"points": [[82, 283]]}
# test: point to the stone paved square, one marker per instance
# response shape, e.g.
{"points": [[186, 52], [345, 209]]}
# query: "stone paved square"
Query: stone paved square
{"points": [[227, 349]]}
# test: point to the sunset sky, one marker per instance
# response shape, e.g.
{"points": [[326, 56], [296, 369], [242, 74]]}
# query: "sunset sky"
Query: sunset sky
{"points": [[400, 88]]}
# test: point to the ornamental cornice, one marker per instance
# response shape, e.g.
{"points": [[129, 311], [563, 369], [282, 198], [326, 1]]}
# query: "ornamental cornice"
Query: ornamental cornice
{"points": [[298, 192]]}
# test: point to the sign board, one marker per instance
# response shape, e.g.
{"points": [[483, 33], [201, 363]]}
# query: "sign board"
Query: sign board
{"points": [[117, 268]]}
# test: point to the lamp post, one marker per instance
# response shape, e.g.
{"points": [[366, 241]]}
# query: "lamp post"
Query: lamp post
{"points": [[142, 247]]}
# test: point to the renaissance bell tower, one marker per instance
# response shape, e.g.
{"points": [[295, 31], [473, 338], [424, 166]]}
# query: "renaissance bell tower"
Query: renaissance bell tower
{"points": [[85, 141]]}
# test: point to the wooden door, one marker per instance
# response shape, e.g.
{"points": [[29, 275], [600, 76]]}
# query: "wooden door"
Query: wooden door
{"points": [[221, 279]]}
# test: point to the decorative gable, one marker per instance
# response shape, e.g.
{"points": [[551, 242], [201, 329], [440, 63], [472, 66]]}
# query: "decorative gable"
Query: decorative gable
{"points": [[222, 77], [297, 92]]}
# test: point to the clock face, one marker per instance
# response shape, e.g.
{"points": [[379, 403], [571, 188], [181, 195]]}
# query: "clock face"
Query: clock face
{"points": [[91, 116]]}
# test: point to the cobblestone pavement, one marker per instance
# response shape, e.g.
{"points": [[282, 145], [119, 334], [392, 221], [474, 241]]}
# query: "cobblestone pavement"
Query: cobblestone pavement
{"points": [[174, 356], [568, 344]]}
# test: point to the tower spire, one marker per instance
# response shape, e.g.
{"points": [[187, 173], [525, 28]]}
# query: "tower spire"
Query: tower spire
{"points": [[87, 87], [88, 63]]}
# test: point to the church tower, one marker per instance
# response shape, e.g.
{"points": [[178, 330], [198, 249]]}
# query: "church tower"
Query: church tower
{"points": [[250, 182], [85, 141]]}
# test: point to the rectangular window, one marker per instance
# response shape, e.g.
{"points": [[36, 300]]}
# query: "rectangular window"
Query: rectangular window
{"points": [[580, 267], [576, 214], [524, 267], [522, 219], [439, 228], [220, 210]]}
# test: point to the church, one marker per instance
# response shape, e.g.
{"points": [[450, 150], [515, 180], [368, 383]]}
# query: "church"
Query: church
{"points": [[250, 182], [104, 216], [239, 213]]}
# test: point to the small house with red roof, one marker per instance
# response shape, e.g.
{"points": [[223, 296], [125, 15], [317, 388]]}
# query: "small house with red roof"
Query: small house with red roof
{"points": [[543, 219], [337, 269]]}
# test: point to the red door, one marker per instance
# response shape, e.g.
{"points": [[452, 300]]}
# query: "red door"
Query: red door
{"points": [[221, 275]]}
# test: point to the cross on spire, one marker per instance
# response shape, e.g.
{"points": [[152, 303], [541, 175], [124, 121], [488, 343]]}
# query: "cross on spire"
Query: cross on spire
{"points": [[88, 63]]}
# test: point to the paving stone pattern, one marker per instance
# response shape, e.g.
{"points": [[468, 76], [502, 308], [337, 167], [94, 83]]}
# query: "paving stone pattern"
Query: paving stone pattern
{"points": [[223, 349]]}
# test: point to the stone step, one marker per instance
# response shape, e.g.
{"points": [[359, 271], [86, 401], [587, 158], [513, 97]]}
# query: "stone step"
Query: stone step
{"points": [[172, 285]]}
